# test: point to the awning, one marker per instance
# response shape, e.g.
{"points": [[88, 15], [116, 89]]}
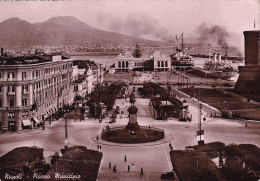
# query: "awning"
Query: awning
{"points": [[36, 120], [26, 122]]}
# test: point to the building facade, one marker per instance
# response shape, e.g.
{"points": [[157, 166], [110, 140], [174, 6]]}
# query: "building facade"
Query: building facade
{"points": [[32, 88], [85, 75], [155, 62]]}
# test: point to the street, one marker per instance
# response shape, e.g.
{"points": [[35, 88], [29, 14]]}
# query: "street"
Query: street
{"points": [[152, 157]]}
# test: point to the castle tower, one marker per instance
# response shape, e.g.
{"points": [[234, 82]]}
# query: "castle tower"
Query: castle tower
{"points": [[249, 76]]}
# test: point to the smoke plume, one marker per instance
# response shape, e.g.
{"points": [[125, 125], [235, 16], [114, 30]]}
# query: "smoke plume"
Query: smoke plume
{"points": [[215, 35], [140, 26]]}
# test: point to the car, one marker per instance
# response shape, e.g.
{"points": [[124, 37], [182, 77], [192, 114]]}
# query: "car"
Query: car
{"points": [[168, 176], [113, 120]]}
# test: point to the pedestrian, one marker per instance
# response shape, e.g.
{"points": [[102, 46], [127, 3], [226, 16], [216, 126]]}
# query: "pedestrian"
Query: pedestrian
{"points": [[109, 165], [114, 168], [128, 168], [97, 138], [142, 172], [125, 158], [133, 166], [246, 124], [100, 147]]}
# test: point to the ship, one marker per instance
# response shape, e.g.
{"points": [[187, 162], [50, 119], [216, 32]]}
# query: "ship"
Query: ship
{"points": [[218, 65], [220, 69], [181, 60]]}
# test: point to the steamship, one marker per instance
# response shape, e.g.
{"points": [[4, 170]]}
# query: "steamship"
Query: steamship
{"points": [[180, 60], [220, 69]]}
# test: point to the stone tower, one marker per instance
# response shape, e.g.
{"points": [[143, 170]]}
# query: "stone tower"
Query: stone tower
{"points": [[249, 76]]}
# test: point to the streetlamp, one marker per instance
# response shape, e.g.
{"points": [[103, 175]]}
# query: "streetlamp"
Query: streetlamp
{"points": [[80, 109], [200, 132], [66, 110]]}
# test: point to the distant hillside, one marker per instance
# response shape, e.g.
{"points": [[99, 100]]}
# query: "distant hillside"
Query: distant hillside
{"points": [[58, 31]]}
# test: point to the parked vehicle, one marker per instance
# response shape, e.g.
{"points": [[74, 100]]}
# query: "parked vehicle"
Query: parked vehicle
{"points": [[168, 176], [113, 120]]}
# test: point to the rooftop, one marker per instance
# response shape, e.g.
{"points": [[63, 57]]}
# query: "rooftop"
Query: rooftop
{"points": [[35, 59]]}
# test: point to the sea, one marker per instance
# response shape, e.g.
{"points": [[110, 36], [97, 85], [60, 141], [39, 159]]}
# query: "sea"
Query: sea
{"points": [[108, 60]]}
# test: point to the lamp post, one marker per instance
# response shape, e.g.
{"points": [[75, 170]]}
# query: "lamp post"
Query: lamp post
{"points": [[66, 127], [80, 105]]}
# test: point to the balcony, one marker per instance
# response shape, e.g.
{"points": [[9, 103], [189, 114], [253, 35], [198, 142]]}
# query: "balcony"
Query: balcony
{"points": [[28, 108], [10, 93], [11, 79], [25, 92]]}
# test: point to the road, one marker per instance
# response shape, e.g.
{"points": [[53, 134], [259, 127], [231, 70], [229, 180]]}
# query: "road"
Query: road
{"points": [[152, 157]]}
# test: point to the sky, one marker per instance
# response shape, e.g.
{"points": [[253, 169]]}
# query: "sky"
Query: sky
{"points": [[154, 19]]}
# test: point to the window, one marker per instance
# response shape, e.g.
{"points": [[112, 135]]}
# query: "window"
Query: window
{"points": [[0, 75], [24, 102], [158, 64], [0, 88], [23, 75], [126, 64], [25, 88], [11, 115], [11, 75], [76, 88], [11, 102], [1, 103], [123, 64], [162, 64], [11, 88], [166, 64], [119, 64], [25, 114]]}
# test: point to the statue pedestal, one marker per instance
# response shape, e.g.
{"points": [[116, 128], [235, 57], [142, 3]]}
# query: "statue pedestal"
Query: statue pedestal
{"points": [[132, 124]]}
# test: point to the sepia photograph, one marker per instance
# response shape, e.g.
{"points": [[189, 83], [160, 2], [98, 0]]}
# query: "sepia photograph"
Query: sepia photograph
{"points": [[130, 90]]}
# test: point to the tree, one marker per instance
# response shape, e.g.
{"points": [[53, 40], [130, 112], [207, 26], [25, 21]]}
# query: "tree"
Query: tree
{"points": [[239, 169]]}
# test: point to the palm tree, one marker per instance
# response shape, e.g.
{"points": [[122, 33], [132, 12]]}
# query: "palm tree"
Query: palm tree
{"points": [[239, 169]]}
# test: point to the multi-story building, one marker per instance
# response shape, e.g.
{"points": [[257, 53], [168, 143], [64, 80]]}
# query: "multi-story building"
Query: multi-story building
{"points": [[86, 73], [155, 62], [32, 88], [161, 62]]}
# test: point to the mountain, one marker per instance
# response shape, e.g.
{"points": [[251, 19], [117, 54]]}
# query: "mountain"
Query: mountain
{"points": [[64, 30]]}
